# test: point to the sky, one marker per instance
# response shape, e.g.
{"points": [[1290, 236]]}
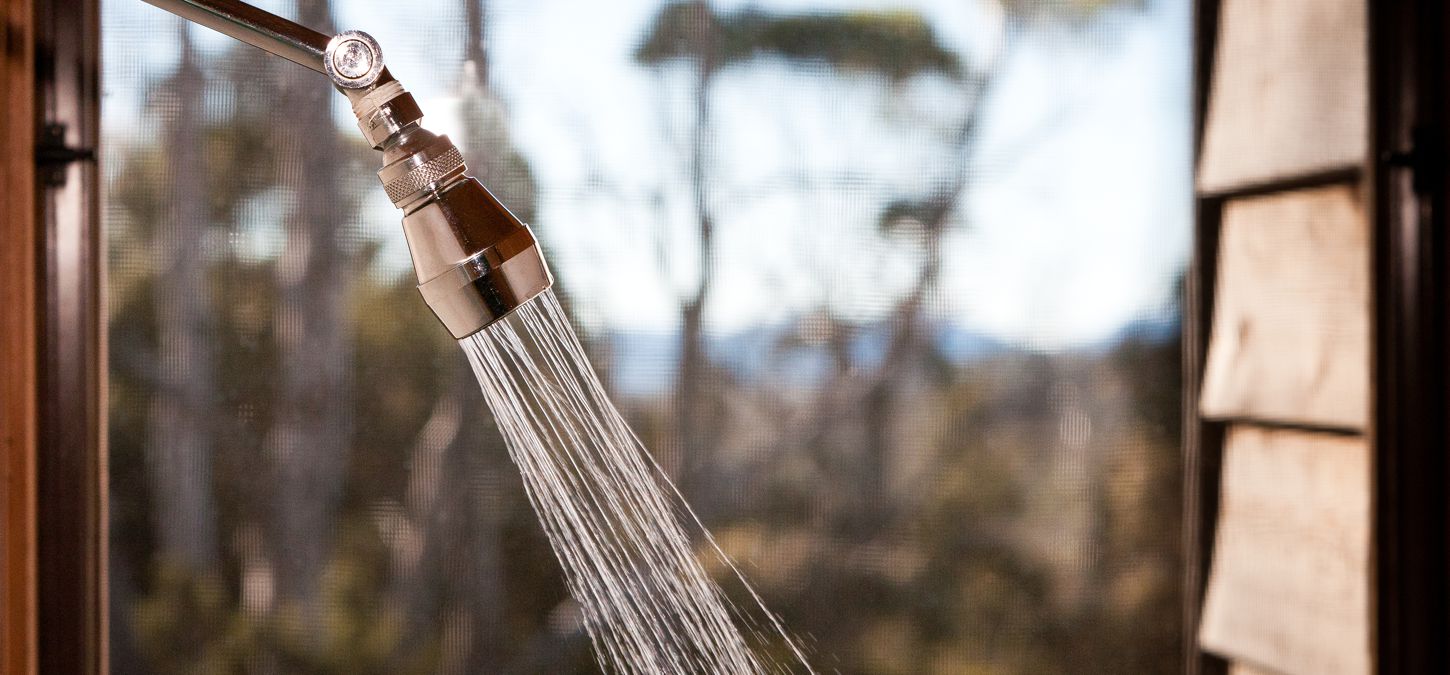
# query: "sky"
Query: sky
{"points": [[1076, 221]]}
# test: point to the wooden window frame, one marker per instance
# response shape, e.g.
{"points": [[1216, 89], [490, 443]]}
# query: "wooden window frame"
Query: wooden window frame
{"points": [[18, 344], [52, 344], [70, 467]]}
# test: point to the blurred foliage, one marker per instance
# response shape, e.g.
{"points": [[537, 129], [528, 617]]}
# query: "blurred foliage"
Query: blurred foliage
{"points": [[1065, 10], [899, 44], [992, 556]]}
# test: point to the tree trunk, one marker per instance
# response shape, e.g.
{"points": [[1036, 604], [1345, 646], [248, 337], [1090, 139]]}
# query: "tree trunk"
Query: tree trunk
{"points": [[691, 404], [313, 410], [907, 341], [181, 411]]}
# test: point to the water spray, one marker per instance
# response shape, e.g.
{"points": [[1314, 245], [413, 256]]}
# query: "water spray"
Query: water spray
{"points": [[476, 262]]}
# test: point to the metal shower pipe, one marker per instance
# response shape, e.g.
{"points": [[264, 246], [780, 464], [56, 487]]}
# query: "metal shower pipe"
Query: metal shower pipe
{"points": [[259, 28]]}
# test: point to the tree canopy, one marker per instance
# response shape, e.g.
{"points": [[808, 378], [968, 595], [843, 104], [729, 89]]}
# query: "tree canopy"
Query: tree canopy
{"points": [[898, 44]]}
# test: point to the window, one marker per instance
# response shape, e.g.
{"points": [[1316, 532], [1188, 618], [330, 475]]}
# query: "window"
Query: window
{"points": [[891, 291]]}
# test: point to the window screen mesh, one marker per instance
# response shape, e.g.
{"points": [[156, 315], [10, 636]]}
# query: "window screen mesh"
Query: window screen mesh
{"points": [[890, 290]]}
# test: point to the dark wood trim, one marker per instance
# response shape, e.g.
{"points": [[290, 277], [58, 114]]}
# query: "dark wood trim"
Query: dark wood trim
{"points": [[18, 343], [1202, 440], [1345, 175], [1407, 187], [1205, 43], [1277, 425], [71, 540]]}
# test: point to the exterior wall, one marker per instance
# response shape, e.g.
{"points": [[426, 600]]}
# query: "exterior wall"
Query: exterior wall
{"points": [[1287, 370]]}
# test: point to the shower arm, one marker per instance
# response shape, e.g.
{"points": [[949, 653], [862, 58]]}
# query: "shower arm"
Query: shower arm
{"points": [[351, 59], [475, 261]]}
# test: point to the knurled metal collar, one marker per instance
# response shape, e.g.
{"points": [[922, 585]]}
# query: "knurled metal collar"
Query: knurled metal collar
{"points": [[429, 168]]}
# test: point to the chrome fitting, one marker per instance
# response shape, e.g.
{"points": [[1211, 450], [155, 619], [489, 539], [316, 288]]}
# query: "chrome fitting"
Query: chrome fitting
{"points": [[385, 111], [353, 59]]}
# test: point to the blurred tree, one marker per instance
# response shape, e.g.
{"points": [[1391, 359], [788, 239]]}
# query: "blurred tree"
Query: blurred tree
{"points": [[985, 574], [313, 423], [896, 44], [180, 432], [690, 31]]}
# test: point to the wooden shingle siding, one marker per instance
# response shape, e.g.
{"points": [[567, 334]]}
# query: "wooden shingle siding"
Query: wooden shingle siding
{"points": [[1289, 588], [1278, 342], [1290, 334], [1288, 92]]}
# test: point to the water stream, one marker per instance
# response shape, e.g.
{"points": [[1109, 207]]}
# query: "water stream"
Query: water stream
{"points": [[617, 524]]}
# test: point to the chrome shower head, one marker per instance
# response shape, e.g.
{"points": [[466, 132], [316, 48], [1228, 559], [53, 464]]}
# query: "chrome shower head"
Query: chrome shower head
{"points": [[475, 261]]}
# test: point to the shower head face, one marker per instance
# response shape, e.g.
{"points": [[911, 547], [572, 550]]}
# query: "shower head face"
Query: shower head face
{"points": [[475, 261]]}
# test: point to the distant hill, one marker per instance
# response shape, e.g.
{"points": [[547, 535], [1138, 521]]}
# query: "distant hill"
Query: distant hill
{"points": [[644, 363]]}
